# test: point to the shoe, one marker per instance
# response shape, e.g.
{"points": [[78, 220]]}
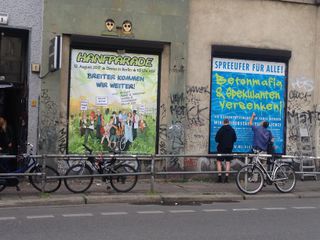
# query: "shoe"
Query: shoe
{"points": [[219, 180], [226, 180]]}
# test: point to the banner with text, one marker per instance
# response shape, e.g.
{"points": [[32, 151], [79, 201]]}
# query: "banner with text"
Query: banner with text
{"points": [[113, 101], [242, 87]]}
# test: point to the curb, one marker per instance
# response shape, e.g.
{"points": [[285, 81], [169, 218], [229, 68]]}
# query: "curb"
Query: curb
{"points": [[159, 198], [42, 201], [200, 198], [133, 199]]}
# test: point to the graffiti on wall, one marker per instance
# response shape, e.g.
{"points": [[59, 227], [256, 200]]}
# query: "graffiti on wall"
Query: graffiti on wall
{"points": [[197, 115], [302, 117], [188, 113], [48, 122], [62, 141]]}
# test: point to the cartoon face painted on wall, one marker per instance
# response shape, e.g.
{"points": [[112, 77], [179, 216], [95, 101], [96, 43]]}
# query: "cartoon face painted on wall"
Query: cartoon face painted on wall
{"points": [[109, 23], [127, 27]]}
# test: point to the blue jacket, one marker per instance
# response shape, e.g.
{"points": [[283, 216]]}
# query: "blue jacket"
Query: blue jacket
{"points": [[261, 137]]}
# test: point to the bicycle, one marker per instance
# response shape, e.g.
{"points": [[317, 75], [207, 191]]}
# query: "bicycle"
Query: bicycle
{"points": [[252, 177], [122, 179], [29, 164], [135, 163], [119, 143]]}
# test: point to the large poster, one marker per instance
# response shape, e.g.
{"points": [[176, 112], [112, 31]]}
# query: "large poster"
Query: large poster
{"points": [[242, 87], [113, 101]]}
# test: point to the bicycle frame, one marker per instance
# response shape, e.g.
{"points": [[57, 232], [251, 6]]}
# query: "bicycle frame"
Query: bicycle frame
{"points": [[271, 177], [100, 165], [31, 163]]}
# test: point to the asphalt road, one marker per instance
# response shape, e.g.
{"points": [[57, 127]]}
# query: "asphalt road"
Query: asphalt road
{"points": [[250, 219]]}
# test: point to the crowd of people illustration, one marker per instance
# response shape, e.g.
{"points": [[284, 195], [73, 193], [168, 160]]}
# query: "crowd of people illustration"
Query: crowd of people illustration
{"points": [[108, 127]]}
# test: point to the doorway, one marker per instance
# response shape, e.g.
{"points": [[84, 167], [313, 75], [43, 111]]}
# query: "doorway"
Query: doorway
{"points": [[14, 85]]}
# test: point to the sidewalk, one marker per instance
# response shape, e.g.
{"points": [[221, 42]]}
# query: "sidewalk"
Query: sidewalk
{"points": [[165, 192]]}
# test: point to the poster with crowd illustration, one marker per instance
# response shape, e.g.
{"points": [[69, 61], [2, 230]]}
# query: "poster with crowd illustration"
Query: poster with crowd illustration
{"points": [[242, 87], [113, 101]]}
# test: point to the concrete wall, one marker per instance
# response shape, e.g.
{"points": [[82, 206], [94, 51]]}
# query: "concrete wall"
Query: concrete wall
{"points": [[28, 15], [257, 24], [154, 20]]}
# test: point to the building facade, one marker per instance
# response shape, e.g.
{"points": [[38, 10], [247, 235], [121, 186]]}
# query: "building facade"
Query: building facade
{"points": [[72, 95], [181, 65], [20, 84], [284, 32]]}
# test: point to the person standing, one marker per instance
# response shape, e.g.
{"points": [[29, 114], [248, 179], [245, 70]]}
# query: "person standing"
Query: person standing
{"points": [[22, 135], [5, 137], [261, 136], [128, 129], [225, 137], [89, 128], [6, 146], [135, 124], [99, 124]]}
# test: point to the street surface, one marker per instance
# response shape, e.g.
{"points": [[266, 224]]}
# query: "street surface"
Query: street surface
{"points": [[251, 219]]}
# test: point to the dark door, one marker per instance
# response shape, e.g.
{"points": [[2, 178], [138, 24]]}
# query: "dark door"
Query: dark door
{"points": [[13, 83]]}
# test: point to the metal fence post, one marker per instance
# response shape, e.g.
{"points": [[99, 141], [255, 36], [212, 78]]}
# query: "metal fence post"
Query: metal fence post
{"points": [[152, 174], [43, 173], [246, 174]]}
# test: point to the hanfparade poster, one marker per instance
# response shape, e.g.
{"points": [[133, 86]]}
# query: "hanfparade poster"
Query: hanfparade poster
{"points": [[112, 101]]}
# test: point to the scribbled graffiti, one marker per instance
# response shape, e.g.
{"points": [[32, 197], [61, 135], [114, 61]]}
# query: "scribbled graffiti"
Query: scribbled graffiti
{"points": [[197, 112], [301, 117], [173, 145], [163, 112], [205, 164], [162, 147], [163, 132], [302, 83], [48, 122], [177, 105], [298, 95], [62, 141], [304, 117], [176, 136], [188, 112], [198, 89], [196, 116]]}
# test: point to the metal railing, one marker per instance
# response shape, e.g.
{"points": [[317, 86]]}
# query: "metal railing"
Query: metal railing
{"points": [[152, 159]]}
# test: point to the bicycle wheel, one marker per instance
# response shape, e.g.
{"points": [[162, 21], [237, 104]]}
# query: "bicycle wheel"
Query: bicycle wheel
{"points": [[285, 178], [122, 143], [73, 161], [2, 184], [135, 164], [123, 183], [249, 179], [51, 185], [80, 184]]}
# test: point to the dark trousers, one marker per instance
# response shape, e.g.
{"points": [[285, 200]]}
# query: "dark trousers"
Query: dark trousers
{"points": [[134, 133]]}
